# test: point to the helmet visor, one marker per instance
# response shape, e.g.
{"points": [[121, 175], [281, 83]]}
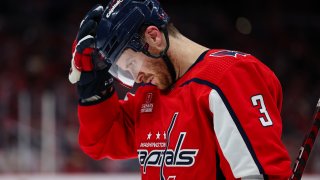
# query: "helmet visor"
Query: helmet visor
{"points": [[127, 67]]}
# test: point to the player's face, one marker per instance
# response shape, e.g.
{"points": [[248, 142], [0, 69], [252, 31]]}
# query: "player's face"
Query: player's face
{"points": [[145, 69]]}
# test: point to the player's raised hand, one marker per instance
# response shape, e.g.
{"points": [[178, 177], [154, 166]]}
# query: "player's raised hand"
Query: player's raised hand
{"points": [[83, 45], [88, 69]]}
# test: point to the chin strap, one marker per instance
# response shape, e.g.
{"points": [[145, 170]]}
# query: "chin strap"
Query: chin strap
{"points": [[163, 54]]}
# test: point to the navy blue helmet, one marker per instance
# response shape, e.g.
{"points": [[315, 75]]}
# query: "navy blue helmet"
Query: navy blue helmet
{"points": [[121, 24]]}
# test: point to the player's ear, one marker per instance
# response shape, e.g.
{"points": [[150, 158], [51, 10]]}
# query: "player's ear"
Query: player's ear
{"points": [[154, 37]]}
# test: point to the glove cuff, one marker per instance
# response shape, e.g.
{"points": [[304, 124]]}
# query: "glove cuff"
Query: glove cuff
{"points": [[95, 85], [96, 99]]}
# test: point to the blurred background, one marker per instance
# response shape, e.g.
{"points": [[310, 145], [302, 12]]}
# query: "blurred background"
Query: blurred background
{"points": [[38, 115]]}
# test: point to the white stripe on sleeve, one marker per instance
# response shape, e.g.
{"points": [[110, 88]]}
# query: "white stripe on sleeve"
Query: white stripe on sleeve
{"points": [[230, 140]]}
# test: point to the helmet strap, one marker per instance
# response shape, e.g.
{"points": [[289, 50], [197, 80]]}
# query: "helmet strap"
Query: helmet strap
{"points": [[163, 54]]}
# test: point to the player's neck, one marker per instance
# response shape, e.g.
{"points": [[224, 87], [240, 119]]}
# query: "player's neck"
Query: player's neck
{"points": [[184, 52]]}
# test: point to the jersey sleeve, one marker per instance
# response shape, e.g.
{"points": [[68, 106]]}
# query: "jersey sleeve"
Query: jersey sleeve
{"points": [[107, 129], [246, 105]]}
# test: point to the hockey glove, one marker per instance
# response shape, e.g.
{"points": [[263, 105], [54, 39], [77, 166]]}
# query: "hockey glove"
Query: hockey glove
{"points": [[88, 69]]}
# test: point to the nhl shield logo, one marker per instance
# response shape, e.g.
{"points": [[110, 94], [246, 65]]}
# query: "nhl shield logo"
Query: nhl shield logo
{"points": [[148, 98], [148, 105]]}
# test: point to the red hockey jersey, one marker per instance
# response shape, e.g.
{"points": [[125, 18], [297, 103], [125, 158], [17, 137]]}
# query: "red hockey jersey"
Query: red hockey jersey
{"points": [[220, 120]]}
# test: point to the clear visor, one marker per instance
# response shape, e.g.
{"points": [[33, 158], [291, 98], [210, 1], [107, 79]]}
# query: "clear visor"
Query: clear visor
{"points": [[127, 67]]}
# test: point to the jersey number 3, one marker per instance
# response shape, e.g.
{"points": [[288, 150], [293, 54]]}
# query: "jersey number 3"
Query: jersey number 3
{"points": [[258, 100]]}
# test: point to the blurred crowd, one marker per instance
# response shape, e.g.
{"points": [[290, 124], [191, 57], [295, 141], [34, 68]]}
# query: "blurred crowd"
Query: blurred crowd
{"points": [[35, 52]]}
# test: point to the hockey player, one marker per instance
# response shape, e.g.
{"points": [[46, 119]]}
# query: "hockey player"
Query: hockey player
{"points": [[199, 113]]}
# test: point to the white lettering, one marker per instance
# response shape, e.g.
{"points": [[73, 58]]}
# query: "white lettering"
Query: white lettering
{"points": [[177, 157], [153, 144], [146, 108], [113, 7]]}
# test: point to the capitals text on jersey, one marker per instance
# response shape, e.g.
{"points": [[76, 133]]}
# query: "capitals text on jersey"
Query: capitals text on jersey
{"points": [[173, 157]]}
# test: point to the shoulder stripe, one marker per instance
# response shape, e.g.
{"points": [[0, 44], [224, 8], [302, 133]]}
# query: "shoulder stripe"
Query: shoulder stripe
{"points": [[233, 118]]}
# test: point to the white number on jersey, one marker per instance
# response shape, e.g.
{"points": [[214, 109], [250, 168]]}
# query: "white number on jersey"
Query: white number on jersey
{"points": [[258, 100]]}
